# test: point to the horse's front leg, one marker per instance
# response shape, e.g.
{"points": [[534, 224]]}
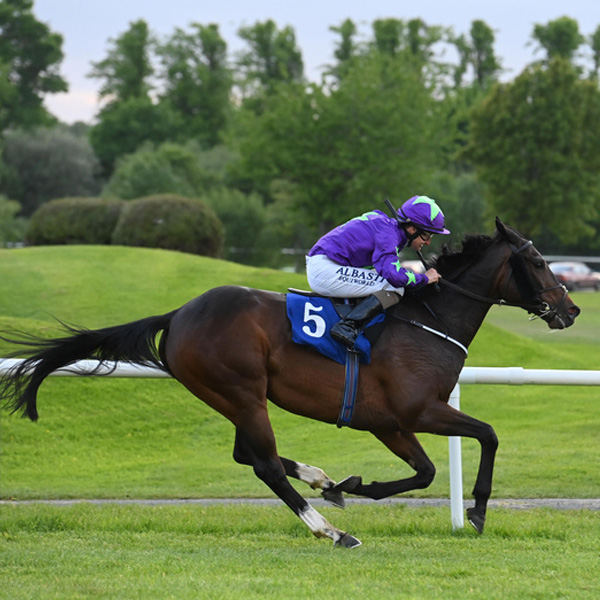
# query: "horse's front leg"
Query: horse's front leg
{"points": [[406, 446], [442, 419]]}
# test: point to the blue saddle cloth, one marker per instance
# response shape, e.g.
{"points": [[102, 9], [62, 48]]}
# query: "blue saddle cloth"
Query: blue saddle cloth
{"points": [[312, 318]]}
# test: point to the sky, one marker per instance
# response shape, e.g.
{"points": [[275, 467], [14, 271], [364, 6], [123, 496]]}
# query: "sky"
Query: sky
{"points": [[87, 26]]}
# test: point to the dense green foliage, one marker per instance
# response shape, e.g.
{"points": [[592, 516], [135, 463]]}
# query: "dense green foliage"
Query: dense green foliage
{"points": [[198, 82], [342, 150], [74, 221], [170, 222], [45, 164], [390, 117], [12, 227], [30, 55], [543, 129], [168, 168], [127, 67], [126, 125]]}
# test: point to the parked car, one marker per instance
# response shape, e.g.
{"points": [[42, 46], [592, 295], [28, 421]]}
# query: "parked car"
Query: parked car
{"points": [[576, 275]]}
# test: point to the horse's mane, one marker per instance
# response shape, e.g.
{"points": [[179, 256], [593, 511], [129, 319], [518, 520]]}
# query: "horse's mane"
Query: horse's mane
{"points": [[452, 260]]}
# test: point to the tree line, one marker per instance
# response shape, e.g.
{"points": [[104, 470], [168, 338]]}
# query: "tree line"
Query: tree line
{"points": [[281, 159]]}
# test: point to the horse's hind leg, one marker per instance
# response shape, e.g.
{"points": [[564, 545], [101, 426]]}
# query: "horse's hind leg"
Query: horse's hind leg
{"points": [[406, 446], [255, 446]]}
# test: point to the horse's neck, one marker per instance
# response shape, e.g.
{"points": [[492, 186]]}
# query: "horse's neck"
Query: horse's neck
{"points": [[463, 315]]}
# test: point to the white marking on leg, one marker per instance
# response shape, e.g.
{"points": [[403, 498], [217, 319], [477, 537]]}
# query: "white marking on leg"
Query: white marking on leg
{"points": [[315, 477], [319, 525]]}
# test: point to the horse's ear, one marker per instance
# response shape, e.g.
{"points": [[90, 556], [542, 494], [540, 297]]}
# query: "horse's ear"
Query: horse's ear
{"points": [[501, 228]]}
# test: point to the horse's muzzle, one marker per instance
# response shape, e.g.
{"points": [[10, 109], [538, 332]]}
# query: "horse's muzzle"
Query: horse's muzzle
{"points": [[561, 319]]}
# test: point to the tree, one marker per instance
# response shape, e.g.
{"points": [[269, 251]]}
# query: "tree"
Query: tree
{"points": [[534, 143], [483, 58], [345, 50], [388, 36], [272, 58], [130, 117], [346, 149], [393, 36], [197, 81], [45, 164], [127, 68], [30, 56], [477, 53], [595, 44], [124, 126], [477, 57], [559, 38]]}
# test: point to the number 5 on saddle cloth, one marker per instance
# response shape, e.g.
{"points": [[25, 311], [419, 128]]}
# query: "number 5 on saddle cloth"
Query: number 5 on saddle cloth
{"points": [[312, 317]]}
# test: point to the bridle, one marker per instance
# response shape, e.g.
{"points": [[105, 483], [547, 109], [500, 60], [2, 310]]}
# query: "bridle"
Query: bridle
{"points": [[538, 308]]}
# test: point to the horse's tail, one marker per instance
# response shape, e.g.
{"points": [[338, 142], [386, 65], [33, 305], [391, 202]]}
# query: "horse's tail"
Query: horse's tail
{"points": [[133, 342]]}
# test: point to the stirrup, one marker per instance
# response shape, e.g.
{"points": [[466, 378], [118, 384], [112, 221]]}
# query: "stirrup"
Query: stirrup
{"points": [[345, 333]]}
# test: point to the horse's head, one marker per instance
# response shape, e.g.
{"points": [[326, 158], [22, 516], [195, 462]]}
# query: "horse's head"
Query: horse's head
{"points": [[527, 281]]}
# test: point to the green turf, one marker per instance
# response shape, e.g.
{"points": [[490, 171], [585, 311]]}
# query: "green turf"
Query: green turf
{"points": [[257, 552]]}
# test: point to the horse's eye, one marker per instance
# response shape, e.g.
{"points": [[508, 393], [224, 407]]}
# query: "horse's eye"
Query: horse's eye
{"points": [[539, 264]]}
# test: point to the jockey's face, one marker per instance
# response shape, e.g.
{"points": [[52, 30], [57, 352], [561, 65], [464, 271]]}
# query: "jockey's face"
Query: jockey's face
{"points": [[423, 238]]}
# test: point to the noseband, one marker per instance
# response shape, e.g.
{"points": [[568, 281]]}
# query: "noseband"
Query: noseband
{"points": [[538, 308]]}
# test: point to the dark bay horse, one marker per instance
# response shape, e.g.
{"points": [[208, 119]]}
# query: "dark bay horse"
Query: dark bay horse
{"points": [[232, 348]]}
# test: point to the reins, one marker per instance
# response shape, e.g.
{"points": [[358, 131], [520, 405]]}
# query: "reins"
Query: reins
{"points": [[546, 309], [539, 309]]}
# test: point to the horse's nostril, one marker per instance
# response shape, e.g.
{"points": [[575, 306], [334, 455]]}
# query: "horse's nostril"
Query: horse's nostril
{"points": [[574, 311]]}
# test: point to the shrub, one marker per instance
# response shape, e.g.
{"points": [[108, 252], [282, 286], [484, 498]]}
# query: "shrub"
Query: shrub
{"points": [[243, 219], [74, 221], [170, 222], [169, 168], [12, 227]]}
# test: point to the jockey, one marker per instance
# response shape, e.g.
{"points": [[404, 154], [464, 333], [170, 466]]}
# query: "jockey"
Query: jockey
{"points": [[360, 259]]}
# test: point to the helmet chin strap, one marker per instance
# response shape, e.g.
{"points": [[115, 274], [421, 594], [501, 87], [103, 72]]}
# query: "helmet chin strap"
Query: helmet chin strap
{"points": [[411, 237]]}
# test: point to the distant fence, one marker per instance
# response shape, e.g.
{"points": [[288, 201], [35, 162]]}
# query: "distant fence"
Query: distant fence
{"points": [[469, 375]]}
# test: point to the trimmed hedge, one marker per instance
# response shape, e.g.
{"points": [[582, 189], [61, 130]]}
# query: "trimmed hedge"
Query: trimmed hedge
{"points": [[170, 222], [73, 221]]}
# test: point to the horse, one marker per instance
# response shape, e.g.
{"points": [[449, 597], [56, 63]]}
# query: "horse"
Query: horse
{"points": [[231, 347]]}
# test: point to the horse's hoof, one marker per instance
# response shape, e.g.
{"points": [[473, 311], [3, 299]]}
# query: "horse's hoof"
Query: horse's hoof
{"points": [[334, 497], [347, 485], [348, 541], [476, 519]]}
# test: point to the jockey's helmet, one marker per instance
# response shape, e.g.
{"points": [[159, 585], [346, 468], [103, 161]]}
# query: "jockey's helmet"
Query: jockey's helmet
{"points": [[424, 213]]}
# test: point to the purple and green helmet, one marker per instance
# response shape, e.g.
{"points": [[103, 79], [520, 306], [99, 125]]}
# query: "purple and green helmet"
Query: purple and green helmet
{"points": [[423, 213]]}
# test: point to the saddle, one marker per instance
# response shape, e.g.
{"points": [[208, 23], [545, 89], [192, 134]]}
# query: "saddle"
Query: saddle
{"points": [[312, 317]]}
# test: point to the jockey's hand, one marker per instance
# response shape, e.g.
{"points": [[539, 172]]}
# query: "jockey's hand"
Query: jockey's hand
{"points": [[432, 275]]}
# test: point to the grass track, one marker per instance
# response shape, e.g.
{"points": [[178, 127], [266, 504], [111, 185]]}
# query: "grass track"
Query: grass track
{"points": [[264, 552]]}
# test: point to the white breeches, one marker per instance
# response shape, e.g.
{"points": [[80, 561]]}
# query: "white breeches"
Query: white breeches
{"points": [[329, 278]]}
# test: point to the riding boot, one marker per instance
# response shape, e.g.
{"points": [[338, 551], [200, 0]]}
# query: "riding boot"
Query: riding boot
{"points": [[346, 331]]}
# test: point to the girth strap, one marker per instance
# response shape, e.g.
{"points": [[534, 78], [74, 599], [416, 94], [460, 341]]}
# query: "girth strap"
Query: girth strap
{"points": [[350, 388]]}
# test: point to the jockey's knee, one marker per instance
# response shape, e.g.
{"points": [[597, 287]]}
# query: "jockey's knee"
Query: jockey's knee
{"points": [[387, 298]]}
